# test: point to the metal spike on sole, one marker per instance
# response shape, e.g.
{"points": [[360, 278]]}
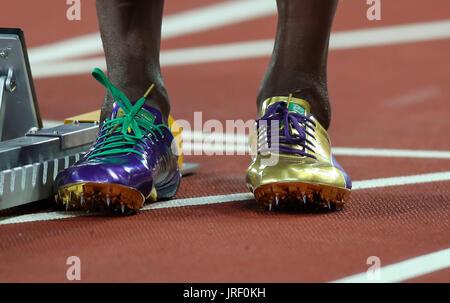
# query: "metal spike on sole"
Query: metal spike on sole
{"points": [[67, 206], [99, 197], [122, 207], [270, 207], [319, 196]]}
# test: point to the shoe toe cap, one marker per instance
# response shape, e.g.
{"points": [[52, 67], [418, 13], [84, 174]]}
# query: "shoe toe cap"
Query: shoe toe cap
{"points": [[316, 172], [132, 175]]}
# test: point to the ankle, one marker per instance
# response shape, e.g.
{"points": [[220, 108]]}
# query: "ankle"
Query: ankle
{"points": [[158, 99]]}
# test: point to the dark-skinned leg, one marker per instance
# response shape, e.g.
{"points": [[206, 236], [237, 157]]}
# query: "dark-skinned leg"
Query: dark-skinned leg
{"points": [[300, 170], [299, 59], [131, 34], [132, 160]]}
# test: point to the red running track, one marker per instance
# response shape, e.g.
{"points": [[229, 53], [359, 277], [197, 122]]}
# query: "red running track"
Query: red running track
{"points": [[392, 96]]}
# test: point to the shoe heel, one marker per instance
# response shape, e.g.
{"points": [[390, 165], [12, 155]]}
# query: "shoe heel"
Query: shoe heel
{"points": [[169, 189]]}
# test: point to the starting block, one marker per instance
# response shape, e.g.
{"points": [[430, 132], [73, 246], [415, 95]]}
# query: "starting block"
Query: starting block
{"points": [[18, 104], [31, 156]]}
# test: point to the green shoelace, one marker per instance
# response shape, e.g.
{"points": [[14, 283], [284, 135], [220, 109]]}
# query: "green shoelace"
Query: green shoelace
{"points": [[122, 134]]}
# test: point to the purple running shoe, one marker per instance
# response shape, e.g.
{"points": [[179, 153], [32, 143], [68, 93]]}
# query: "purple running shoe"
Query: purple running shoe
{"points": [[133, 160]]}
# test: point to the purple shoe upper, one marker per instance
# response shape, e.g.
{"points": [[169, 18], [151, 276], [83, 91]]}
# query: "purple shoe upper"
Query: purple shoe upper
{"points": [[134, 149], [280, 113]]}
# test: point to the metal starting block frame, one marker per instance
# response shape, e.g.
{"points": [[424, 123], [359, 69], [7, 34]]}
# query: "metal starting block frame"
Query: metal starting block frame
{"points": [[29, 164], [19, 109], [32, 156]]}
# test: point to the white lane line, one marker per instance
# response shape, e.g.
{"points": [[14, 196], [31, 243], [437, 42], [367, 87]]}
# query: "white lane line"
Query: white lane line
{"points": [[219, 142], [396, 153], [183, 56], [402, 180], [199, 201], [357, 185], [406, 269], [183, 23], [414, 97], [388, 35], [232, 148], [215, 16], [66, 68]]}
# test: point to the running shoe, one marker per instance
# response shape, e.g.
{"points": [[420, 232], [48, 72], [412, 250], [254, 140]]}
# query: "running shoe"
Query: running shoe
{"points": [[292, 160], [133, 160]]}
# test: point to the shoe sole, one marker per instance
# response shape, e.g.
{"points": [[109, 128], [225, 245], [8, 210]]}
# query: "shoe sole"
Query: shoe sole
{"points": [[102, 197], [288, 195]]}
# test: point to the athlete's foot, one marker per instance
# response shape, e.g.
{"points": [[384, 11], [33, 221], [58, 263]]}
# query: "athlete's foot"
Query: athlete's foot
{"points": [[131, 161], [292, 164]]}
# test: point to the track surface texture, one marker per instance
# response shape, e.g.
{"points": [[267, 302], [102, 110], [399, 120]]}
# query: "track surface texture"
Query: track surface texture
{"points": [[385, 95]]}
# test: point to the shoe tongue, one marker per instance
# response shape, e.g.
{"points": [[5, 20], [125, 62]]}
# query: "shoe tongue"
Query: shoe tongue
{"points": [[296, 105], [146, 112], [298, 108]]}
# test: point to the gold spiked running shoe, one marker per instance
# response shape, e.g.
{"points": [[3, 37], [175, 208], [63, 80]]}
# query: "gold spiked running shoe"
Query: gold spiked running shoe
{"points": [[292, 161]]}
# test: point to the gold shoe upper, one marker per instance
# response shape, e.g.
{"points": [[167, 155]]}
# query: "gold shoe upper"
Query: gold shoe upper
{"points": [[275, 167]]}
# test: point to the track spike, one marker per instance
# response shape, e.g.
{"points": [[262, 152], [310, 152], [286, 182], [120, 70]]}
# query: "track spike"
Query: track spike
{"points": [[122, 207], [277, 199], [82, 199], [67, 206], [270, 207], [329, 205], [305, 199], [108, 201]]}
